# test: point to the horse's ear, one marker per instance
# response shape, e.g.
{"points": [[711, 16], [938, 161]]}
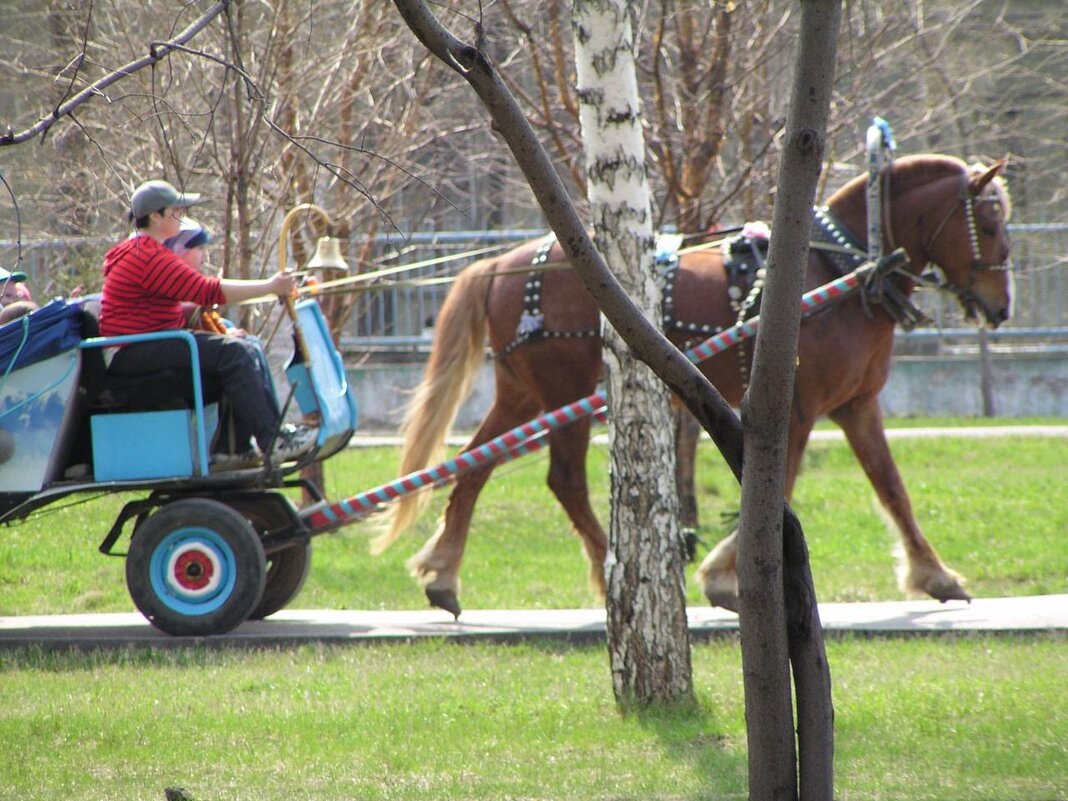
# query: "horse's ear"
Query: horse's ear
{"points": [[982, 176]]}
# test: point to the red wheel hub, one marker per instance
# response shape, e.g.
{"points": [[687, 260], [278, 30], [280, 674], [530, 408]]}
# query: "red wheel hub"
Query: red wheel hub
{"points": [[193, 570]]}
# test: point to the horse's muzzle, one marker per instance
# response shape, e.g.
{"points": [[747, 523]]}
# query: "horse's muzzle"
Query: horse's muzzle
{"points": [[998, 317], [979, 314]]}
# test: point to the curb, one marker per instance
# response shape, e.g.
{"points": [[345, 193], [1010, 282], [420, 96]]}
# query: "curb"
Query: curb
{"points": [[1029, 614]]}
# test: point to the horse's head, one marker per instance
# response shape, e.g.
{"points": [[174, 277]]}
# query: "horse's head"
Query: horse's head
{"points": [[966, 236]]}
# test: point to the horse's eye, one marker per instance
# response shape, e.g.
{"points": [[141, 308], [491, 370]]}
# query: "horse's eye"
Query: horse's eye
{"points": [[989, 215]]}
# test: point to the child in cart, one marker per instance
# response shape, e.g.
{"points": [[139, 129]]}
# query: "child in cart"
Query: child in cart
{"points": [[190, 244]]}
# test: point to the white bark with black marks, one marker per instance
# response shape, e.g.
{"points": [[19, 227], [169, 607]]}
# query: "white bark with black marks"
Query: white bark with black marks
{"points": [[648, 638]]}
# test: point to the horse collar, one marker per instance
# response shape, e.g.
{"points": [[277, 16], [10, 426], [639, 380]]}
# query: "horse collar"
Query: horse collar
{"points": [[838, 245]]}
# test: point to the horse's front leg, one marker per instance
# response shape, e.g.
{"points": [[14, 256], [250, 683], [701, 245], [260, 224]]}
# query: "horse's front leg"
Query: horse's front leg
{"points": [[718, 573], [922, 571], [437, 564]]}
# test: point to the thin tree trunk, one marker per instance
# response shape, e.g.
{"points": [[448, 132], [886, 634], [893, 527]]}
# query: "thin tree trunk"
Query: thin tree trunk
{"points": [[765, 422], [648, 636], [647, 342], [986, 375]]}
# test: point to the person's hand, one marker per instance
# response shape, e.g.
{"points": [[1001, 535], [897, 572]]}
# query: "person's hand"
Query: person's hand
{"points": [[191, 313], [284, 284]]}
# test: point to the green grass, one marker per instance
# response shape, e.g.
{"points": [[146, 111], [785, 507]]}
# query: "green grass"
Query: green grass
{"points": [[917, 720], [996, 510], [924, 719]]}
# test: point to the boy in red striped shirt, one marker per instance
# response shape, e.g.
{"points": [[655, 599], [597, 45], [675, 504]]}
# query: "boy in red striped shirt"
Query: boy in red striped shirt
{"points": [[145, 285]]}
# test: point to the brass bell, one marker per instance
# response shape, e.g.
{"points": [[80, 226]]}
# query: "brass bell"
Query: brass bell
{"points": [[328, 255]]}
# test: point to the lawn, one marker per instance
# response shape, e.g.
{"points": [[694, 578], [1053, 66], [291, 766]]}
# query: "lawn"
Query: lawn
{"points": [[917, 719], [995, 508]]}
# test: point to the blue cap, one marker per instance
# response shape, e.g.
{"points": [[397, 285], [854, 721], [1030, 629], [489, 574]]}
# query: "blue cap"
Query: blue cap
{"points": [[191, 235]]}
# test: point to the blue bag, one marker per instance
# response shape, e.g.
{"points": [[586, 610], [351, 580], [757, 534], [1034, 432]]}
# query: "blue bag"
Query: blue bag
{"points": [[43, 333]]}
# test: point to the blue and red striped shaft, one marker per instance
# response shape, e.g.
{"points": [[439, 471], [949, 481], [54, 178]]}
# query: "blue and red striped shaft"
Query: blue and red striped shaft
{"points": [[526, 438], [326, 515]]}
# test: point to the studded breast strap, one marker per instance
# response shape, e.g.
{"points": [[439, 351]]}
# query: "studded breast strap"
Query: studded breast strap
{"points": [[531, 326]]}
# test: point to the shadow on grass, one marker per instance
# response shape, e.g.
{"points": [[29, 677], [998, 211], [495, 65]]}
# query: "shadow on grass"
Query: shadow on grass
{"points": [[694, 736], [692, 733]]}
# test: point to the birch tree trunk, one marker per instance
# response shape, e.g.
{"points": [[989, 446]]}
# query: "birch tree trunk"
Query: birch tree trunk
{"points": [[648, 637], [766, 646]]}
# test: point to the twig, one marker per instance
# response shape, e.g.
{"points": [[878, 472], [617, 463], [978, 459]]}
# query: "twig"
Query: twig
{"points": [[157, 52]]}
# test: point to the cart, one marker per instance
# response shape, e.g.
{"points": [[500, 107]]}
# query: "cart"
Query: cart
{"points": [[209, 547]]}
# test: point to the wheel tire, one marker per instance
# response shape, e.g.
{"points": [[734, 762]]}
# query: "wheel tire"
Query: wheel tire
{"points": [[287, 569], [195, 567], [286, 572]]}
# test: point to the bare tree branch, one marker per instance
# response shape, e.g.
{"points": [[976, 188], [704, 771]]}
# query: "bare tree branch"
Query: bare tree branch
{"points": [[157, 52], [649, 344]]}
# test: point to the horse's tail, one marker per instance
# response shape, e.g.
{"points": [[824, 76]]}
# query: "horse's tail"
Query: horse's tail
{"points": [[457, 355]]}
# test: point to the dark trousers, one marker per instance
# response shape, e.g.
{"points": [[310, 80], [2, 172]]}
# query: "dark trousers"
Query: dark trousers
{"points": [[232, 364]]}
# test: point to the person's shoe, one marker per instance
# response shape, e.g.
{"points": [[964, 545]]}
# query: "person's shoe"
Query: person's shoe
{"points": [[248, 460], [292, 442]]}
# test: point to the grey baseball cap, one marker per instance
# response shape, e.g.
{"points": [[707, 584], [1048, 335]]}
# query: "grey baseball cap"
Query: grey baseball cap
{"points": [[156, 195]]}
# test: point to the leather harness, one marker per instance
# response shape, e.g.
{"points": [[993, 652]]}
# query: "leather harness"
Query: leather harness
{"points": [[744, 261]]}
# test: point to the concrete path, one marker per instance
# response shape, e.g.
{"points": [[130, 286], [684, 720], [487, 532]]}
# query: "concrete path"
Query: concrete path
{"points": [[992, 615], [820, 435]]}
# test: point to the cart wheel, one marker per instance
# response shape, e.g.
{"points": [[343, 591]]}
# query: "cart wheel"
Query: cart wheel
{"points": [[195, 567], [286, 571]]}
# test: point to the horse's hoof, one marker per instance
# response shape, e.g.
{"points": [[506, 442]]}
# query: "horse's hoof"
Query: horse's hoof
{"points": [[946, 586], [690, 542], [953, 592], [723, 592], [444, 599], [723, 600]]}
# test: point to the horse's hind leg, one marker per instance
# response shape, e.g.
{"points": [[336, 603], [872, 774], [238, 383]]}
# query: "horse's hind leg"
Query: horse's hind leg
{"points": [[687, 433], [922, 570], [437, 564], [718, 573], [567, 480]]}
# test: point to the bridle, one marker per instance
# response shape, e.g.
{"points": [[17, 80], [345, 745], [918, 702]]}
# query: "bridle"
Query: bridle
{"points": [[933, 275], [966, 202]]}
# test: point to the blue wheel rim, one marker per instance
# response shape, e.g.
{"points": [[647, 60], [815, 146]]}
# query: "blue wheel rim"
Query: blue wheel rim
{"points": [[193, 571]]}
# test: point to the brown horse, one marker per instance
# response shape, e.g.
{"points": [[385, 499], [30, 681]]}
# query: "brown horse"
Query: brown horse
{"points": [[544, 333]]}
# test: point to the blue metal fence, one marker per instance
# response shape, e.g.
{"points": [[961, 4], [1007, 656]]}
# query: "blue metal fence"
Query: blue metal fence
{"points": [[397, 317]]}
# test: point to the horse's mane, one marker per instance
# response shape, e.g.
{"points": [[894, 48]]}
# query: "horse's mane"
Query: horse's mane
{"points": [[908, 172]]}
